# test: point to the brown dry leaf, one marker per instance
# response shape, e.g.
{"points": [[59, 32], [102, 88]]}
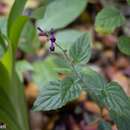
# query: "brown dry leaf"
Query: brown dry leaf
{"points": [[109, 55], [114, 127], [105, 114], [82, 96], [122, 62], [109, 41], [62, 76], [31, 91], [110, 71], [51, 122], [71, 123], [92, 107], [37, 120]]}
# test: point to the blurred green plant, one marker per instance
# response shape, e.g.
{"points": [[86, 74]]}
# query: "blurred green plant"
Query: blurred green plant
{"points": [[60, 13], [124, 44], [107, 20], [12, 103]]}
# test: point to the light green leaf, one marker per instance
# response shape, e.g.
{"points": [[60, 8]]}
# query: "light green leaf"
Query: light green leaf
{"points": [[80, 51], [12, 104], [57, 94], [15, 12], [118, 105], [122, 120], [62, 70], [108, 19], [15, 31], [3, 24], [6, 57], [103, 125], [109, 95], [3, 45], [22, 67], [115, 98], [94, 80], [128, 2], [48, 70], [38, 13], [93, 83], [67, 37], [60, 13], [124, 45], [29, 41], [44, 72]]}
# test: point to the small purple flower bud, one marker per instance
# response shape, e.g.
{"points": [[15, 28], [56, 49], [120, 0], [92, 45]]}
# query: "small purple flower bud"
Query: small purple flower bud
{"points": [[52, 40], [52, 37]]}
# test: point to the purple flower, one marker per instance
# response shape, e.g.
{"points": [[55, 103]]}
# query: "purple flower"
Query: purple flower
{"points": [[52, 40], [51, 36]]}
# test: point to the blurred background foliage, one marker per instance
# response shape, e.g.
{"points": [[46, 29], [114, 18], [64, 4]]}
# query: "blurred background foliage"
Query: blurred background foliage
{"points": [[36, 66]]}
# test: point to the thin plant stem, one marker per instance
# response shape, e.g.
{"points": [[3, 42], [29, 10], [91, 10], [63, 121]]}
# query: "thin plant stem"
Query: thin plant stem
{"points": [[67, 58]]}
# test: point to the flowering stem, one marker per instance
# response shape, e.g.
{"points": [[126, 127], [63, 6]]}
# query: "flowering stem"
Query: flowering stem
{"points": [[77, 74]]}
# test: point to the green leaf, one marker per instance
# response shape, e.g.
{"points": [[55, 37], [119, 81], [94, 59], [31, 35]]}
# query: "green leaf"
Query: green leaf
{"points": [[6, 57], [103, 125], [128, 2], [118, 105], [48, 70], [57, 94], [122, 120], [68, 11], [111, 96], [62, 70], [94, 80], [3, 24], [124, 45], [15, 12], [15, 31], [108, 19], [38, 13], [22, 67], [29, 42], [115, 98], [12, 104], [44, 72], [67, 37], [80, 51], [3, 45], [93, 83]]}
